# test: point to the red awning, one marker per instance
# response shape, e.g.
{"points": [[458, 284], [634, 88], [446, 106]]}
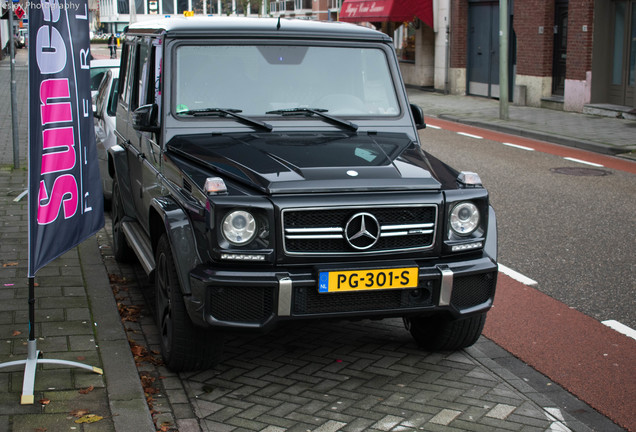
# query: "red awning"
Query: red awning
{"points": [[387, 10]]}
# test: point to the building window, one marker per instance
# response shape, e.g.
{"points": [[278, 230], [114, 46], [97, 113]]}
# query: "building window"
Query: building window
{"points": [[405, 41]]}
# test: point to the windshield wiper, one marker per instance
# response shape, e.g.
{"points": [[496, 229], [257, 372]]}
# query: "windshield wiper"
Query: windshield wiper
{"points": [[316, 111], [224, 113]]}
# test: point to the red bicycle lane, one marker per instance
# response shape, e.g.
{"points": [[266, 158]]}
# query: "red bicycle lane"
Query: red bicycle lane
{"points": [[590, 360]]}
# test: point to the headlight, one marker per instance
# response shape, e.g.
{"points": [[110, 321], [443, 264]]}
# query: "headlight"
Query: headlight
{"points": [[239, 227], [464, 218]]}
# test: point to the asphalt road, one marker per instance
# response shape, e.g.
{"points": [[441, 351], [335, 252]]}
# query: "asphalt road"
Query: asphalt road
{"points": [[573, 234]]}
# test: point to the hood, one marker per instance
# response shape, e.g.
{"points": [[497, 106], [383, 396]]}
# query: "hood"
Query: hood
{"points": [[311, 162]]}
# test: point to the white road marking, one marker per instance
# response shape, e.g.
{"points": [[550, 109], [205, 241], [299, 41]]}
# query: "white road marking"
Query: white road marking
{"points": [[518, 146], [621, 328], [470, 135], [583, 162], [558, 422], [19, 197], [518, 276], [428, 125]]}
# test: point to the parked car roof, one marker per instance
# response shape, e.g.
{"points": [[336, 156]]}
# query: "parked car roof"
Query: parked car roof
{"points": [[233, 26], [105, 63]]}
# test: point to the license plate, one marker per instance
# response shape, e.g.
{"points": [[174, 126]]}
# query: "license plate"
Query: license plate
{"points": [[372, 279]]}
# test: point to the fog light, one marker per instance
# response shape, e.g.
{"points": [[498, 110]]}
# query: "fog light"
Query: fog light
{"points": [[242, 257], [466, 246]]}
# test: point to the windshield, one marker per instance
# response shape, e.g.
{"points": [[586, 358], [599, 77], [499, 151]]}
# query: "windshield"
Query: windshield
{"points": [[256, 80]]}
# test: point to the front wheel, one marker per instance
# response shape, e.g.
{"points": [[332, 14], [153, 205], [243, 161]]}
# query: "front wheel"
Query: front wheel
{"points": [[439, 333], [184, 346]]}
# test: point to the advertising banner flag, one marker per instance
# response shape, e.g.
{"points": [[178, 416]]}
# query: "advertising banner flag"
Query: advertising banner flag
{"points": [[66, 205]]}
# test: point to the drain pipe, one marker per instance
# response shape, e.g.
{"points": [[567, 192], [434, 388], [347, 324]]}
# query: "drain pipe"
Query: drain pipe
{"points": [[447, 68]]}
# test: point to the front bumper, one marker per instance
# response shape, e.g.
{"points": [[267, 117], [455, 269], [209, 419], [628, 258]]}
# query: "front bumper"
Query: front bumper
{"points": [[258, 300]]}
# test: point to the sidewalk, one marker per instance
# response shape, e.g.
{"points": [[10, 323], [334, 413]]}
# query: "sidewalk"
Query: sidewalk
{"points": [[605, 135], [76, 314]]}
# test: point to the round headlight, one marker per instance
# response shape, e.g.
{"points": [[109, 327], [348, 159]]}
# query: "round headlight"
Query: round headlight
{"points": [[239, 227], [464, 218]]}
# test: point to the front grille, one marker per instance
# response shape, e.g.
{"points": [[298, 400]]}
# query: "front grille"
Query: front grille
{"points": [[241, 304], [309, 301], [323, 231], [473, 290]]}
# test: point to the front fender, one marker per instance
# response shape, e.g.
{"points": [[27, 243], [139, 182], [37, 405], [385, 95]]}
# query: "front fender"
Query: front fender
{"points": [[167, 216], [118, 162]]}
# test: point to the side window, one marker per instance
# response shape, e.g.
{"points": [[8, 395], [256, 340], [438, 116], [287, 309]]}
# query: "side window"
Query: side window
{"points": [[155, 71], [126, 73], [101, 94], [112, 100], [142, 79]]}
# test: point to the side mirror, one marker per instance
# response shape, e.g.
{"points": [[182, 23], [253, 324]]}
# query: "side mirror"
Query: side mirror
{"points": [[144, 118], [418, 117]]}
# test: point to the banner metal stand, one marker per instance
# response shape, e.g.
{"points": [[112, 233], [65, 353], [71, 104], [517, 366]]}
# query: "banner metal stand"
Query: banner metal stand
{"points": [[34, 356]]}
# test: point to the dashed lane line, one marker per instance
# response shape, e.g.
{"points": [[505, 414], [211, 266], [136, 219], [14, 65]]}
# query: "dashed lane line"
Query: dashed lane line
{"points": [[621, 328], [470, 135], [517, 146], [582, 161], [518, 276]]}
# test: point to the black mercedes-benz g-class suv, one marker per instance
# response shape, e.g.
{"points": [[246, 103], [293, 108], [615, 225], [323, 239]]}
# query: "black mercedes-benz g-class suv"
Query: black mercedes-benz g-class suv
{"points": [[271, 170]]}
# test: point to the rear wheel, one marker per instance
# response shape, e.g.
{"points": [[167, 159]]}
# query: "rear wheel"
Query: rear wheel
{"points": [[438, 333], [121, 250], [184, 346]]}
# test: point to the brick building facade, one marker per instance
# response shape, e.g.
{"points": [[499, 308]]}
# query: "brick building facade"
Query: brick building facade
{"points": [[565, 54]]}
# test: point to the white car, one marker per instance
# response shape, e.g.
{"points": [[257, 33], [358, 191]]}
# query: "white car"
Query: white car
{"points": [[98, 69], [104, 119]]}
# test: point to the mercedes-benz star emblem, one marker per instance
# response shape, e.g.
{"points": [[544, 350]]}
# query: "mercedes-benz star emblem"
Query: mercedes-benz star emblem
{"points": [[362, 231]]}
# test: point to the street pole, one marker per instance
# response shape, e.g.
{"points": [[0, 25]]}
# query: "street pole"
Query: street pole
{"points": [[503, 59], [14, 96]]}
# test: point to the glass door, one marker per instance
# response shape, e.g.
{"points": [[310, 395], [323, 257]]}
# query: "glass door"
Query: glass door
{"points": [[623, 73]]}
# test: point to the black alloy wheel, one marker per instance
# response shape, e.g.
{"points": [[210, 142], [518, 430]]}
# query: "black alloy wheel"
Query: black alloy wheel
{"points": [[184, 346]]}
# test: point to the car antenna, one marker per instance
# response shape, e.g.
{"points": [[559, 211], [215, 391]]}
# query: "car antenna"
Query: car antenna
{"points": [[278, 24]]}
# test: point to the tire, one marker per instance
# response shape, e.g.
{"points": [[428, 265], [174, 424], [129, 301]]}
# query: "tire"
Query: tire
{"points": [[122, 251], [442, 334], [184, 346]]}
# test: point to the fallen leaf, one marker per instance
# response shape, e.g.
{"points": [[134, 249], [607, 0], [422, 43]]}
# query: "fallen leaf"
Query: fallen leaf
{"points": [[10, 264], [16, 333], [81, 358], [128, 312], [137, 350], [45, 401], [41, 429], [165, 427], [89, 418], [87, 390], [79, 412], [116, 278]]}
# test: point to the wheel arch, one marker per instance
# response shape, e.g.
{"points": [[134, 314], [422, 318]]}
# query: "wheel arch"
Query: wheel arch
{"points": [[166, 216]]}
